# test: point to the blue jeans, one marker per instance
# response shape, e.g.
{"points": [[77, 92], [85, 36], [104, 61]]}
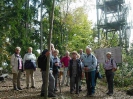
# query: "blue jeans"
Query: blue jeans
{"points": [[90, 81]]}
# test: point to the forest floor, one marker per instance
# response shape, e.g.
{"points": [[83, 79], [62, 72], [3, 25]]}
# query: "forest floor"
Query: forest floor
{"points": [[7, 92]]}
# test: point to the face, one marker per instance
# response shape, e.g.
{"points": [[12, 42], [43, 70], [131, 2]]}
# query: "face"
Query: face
{"points": [[74, 56], [52, 47], [47, 53], [17, 51], [80, 51], [88, 51], [108, 56], [67, 54], [29, 50], [55, 53]]}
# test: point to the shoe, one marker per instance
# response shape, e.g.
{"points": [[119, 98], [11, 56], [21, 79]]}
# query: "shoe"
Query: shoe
{"points": [[42, 95], [32, 86], [55, 90], [19, 88], [107, 93], [110, 94], [51, 95], [16, 89], [91, 95], [80, 88], [67, 85]]}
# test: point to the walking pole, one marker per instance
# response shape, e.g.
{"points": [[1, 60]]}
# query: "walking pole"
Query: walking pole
{"points": [[59, 80]]}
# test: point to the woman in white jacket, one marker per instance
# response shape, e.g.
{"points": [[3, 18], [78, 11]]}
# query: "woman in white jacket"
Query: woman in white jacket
{"points": [[30, 66], [17, 68]]}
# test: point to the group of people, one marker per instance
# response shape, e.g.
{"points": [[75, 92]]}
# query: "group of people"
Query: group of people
{"points": [[28, 63], [74, 66]]}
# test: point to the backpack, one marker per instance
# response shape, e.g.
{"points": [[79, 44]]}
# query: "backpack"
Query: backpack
{"points": [[39, 62]]}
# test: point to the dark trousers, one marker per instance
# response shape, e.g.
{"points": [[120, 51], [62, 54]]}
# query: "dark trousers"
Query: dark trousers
{"points": [[56, 79], [74, 81], [110, 78], [96, 76], [90, 81], [51, 83]]}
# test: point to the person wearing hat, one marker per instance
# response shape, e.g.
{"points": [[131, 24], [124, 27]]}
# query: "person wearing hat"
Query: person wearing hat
{"points": [[90, 62], [75, 72], [42, 63], [17, 68], [110, 67]]}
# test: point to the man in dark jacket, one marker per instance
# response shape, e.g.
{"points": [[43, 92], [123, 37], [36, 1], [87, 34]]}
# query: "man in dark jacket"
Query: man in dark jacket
{"points": [[42, 63]]}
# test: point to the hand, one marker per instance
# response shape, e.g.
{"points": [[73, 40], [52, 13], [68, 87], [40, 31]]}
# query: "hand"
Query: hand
{"points": [[47, 53], [56, 64], [114, 69], [86, 69], [63, 65], [35, 69]]}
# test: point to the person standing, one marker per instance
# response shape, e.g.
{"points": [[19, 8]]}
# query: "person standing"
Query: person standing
{"points": [[90, 63], [42, 63], [65, 61], [75, 72], [17, 68], [56, 67], [110, 68], [81, 53], [29, 61]]}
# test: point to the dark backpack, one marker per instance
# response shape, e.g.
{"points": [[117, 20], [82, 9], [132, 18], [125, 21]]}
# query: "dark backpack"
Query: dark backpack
{"points": [[39, 62]]}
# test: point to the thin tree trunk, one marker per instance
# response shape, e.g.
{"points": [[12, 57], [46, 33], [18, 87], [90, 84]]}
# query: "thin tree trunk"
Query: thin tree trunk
{"points": [[49, 48], [41, 27]]}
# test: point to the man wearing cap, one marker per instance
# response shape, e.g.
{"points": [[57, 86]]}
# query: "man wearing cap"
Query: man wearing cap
{"points": [[17, 68], [90, 63], [42, 63], [75, 72], [110, 67]]}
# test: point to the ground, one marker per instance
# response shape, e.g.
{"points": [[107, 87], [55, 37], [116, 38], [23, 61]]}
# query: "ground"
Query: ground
{"points": [[7, 92]]}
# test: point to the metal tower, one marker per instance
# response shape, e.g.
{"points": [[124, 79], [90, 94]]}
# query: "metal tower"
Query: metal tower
{"points": [[112, 17]]}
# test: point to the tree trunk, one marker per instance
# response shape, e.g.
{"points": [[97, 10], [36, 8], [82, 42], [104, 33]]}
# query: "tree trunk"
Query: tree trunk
{"points": [[41, 27], [49, 48]]}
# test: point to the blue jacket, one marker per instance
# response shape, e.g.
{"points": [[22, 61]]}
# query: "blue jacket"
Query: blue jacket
{"points": [[90, 61]]}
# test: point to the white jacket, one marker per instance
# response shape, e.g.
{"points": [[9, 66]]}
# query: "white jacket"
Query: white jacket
{"points": [[14, 63], [29, 56]]}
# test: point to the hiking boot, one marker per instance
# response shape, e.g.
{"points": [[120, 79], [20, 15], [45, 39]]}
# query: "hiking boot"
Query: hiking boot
{"points": [[110, 94], [19, 88], [33, 87], [15, 88], [51, 95], [91, 95], [80, 88], [55, 89]]}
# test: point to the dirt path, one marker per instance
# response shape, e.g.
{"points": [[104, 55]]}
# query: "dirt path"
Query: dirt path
{"points": [[7, 92]]}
